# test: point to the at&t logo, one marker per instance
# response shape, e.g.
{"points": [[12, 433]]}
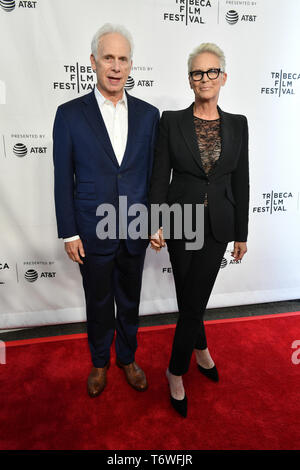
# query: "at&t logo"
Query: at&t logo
{"points": [[225, 262], [10, 5], [32, 275], [130, 83], [232, 17], [20, 150]]}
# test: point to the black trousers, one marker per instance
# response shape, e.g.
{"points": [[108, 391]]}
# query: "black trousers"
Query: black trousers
{"points": [[109, 280], [194, 274]]}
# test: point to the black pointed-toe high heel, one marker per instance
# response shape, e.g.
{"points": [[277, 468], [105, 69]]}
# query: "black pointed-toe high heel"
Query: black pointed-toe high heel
{"points": [[211, 373], [180, 405]]}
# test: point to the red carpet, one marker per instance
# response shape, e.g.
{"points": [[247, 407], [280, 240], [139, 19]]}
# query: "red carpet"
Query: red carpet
{"points": [[44, 403]]}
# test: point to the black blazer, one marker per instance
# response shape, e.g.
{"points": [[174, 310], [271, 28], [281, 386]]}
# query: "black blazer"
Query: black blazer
{"points": [[227, 185]]}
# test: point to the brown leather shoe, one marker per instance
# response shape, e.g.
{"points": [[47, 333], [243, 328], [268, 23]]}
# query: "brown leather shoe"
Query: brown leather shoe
{"points": [[97, 380], [134, 375]]}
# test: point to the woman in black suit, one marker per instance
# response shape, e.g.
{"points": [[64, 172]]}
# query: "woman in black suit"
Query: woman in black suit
{"points": [[206, 149]]}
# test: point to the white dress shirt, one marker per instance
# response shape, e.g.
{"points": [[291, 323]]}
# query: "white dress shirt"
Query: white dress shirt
{"points": [[115, 118]]}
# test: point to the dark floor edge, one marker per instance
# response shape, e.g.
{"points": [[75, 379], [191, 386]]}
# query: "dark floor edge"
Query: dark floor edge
{"points": [[158, 319]]}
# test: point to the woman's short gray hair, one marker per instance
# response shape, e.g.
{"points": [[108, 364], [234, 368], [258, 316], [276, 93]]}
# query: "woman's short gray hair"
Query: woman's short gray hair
{"points": [[207, 47], [107, 29]]}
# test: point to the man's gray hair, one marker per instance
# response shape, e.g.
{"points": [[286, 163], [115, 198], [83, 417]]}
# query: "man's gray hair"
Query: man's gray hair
{"points": [[207, 47], [107, 29]]}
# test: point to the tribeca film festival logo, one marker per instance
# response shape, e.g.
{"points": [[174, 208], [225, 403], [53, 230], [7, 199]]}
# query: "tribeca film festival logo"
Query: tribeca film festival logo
{"points": [[78, 78], [202, 11], [282, 84], [14, 145], [188, 11], [274, 202], [10, 5], [31, 275]]}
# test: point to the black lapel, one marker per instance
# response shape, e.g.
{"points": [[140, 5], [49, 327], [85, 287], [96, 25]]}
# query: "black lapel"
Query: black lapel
{"points": [[189, 134], [188, 130], [226, 140], [94, 117]]}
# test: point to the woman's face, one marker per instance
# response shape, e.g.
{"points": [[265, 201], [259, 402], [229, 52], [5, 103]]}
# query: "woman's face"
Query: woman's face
{"points": [[206, 89]]}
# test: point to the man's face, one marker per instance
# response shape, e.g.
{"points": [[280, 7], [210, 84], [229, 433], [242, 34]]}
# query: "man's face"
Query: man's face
{"points": [[113, 65]]}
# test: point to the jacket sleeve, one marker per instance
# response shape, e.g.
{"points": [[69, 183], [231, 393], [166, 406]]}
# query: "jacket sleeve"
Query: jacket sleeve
{"points": [[63, 177], [161, 170], [240, 188]]}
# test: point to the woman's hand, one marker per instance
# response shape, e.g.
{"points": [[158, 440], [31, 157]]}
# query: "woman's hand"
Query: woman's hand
{"points": [[157, 240], [240, 248]]}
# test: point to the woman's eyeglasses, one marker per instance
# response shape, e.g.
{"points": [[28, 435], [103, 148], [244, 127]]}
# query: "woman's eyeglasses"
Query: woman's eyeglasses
{"points": [[212, 74]]}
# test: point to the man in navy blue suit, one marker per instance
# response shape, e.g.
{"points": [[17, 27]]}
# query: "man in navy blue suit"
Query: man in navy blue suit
{"points": [[103, 149]]}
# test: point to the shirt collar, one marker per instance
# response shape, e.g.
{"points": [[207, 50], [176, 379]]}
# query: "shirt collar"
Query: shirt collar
{"points": [[101, 99]]}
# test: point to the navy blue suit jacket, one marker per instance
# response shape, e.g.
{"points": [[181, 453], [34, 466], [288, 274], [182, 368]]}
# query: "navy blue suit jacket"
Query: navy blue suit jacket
{"points": [[87, 173]]}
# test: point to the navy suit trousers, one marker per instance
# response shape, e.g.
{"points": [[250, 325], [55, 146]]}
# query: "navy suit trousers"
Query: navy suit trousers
{"points": [[110, 280]]}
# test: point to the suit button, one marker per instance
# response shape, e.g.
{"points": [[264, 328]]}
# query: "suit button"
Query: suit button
{"points": [[119, 176], [207, 183]]}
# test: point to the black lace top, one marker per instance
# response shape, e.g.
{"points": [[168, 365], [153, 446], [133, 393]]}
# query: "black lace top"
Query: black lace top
{"points": [[209, 143]]}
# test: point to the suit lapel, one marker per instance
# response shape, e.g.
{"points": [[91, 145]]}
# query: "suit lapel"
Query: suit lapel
{"points": [[132, 119], [226, 140], [189, 134], [94, 117]]}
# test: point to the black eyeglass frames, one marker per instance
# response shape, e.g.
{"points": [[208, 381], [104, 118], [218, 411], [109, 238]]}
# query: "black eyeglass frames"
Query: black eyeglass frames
{"points": [[212, 74]]}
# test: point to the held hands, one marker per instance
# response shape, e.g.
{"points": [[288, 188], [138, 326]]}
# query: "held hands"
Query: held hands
{"points": [[240, 248], [157, 240], [74, 249]]}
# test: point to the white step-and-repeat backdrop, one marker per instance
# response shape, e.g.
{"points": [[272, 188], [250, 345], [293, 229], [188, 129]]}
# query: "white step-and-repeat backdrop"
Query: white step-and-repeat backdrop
{"points": [[44, 61]]}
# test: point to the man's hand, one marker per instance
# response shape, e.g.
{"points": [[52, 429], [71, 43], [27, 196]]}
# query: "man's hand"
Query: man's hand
{"points": [[240, 248], [157, 240], [74, 249]]}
